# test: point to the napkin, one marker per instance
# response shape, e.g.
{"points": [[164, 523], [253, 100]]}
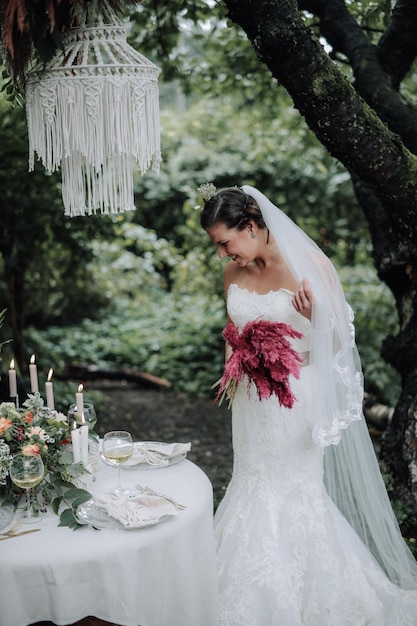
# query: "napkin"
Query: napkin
{"points": [[136, 511], [156, 453]]}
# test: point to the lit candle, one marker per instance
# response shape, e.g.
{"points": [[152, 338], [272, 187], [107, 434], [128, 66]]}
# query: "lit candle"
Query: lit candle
{"points": [[84, 442], [49, 391], [79, 400], [33, 372], [76, 443], [12, 380]]}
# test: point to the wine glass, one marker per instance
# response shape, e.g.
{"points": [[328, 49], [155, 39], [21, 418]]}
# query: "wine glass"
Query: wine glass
{"points": [[117, 448], [89, 413], [27, 472]]}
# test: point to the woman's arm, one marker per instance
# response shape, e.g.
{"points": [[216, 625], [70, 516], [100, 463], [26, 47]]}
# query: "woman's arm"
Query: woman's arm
{"points": [[303, 299]]}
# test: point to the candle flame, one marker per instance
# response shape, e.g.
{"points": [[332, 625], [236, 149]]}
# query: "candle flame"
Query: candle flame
{"points": [[51, 371], [74, 425], [80, 388], [12, 364], [83, 418], [32, 358]]}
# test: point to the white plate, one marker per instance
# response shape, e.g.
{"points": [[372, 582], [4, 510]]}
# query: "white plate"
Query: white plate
{"points": [[93, 515], [131, 464]]}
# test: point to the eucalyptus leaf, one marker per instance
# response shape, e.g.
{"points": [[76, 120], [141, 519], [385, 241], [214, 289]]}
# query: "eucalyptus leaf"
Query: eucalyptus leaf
{"points": [[81, 498], [55, 504], [68, 518]]}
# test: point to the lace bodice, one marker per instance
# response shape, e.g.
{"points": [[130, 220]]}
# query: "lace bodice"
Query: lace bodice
{"points": [[275, 306]]}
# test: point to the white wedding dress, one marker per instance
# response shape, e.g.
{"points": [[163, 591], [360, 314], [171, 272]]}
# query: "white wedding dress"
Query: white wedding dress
{"points": [[286, 555]]}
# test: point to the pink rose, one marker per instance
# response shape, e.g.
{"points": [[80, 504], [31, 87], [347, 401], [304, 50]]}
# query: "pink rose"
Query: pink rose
{"points": [[31, 449], [5, 423], [28, 417]]}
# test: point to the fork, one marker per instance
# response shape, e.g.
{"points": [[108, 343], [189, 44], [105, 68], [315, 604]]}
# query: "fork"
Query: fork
{"points": [[11, 535], [162, 495]]}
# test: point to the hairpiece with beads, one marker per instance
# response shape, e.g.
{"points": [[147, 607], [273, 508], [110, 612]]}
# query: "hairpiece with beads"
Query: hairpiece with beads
{"points": [[208, 190]]}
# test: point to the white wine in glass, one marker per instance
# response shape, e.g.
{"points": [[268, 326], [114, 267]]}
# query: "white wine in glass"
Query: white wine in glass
{"points": [[117, 449], [27, 472]]}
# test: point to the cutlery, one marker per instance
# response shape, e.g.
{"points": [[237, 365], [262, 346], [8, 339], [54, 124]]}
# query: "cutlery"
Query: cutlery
{"points": [[11, 535], [162, 495]]}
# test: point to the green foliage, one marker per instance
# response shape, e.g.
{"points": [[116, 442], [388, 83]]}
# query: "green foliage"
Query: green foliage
{"points": [[3, 343], [171, 330], [43, 255], [375, 318], [64, 493], [202, 145], [179, 340], [195, 44], [403, 511]]}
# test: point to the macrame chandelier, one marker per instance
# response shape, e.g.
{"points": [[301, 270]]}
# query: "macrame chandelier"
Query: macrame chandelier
{"points": [[93, 111]]}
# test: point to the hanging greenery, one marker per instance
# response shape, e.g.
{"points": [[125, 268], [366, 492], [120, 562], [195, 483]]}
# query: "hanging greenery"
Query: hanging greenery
{"points": [[34, 28]]}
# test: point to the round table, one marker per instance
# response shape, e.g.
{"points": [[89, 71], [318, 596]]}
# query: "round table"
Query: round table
{"points": [[164, 575]]}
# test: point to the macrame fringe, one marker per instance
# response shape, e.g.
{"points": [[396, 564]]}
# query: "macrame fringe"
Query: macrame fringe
{"points": [[95, 131], [94, 112]]}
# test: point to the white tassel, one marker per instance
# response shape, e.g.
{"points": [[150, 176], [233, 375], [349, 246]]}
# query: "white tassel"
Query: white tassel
{"points": [[94, 112]]}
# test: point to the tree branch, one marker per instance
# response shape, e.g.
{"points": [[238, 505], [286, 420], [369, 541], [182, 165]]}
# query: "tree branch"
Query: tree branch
{"points": [[397, 48], [342, 121], [372, 81]]}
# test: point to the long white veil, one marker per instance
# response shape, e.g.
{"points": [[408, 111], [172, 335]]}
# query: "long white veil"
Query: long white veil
{"points": [[351, 472]]}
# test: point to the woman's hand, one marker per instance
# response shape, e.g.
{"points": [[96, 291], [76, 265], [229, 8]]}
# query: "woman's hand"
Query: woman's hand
{"points": [[303, 299]]}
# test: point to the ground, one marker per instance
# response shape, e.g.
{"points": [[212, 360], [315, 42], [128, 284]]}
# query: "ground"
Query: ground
{"points": [[162, 415]]}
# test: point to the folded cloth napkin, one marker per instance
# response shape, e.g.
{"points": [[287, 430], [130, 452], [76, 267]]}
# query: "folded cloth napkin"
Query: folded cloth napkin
{"points": [[136, 511], [156, 453]]}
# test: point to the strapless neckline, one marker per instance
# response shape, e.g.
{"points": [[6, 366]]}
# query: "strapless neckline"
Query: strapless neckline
{"points": [[255, 293]]}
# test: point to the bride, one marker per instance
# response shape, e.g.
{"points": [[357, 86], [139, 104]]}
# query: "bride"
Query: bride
{"points": [[305, 533]]}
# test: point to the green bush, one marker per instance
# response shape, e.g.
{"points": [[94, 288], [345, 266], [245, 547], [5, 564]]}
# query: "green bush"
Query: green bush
{"points": [[375, 318], [178, 339], [167, 324]]}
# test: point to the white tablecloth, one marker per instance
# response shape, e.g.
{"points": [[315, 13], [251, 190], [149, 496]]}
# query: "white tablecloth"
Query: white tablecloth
{"points": [[165, 575]]}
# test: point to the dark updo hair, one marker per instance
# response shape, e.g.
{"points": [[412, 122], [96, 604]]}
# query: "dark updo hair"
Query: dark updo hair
{"points": [[232, 207]]}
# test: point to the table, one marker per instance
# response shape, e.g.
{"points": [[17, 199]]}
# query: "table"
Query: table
{"points": [[165, 575]]}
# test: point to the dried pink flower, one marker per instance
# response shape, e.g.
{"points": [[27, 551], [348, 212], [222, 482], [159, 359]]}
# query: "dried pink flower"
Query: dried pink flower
{"points": [[263, 353]]}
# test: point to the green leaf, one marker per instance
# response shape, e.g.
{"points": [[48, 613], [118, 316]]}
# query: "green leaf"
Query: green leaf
{"points": [[83, 497], [75, 492], [55, 504], [67, 518]]}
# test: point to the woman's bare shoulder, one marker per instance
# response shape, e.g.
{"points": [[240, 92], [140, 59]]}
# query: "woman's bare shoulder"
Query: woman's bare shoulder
{"points": [[232, 272]]}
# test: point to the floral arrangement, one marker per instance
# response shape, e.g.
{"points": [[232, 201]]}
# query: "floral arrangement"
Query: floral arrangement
{"points": [[263, 354], [35, 429]]}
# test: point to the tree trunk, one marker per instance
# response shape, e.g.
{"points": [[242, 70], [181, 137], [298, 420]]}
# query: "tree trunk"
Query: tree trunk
{"points": [[377, 145], [328, 102]]}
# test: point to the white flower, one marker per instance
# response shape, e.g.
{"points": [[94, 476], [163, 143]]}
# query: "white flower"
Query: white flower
{"points": [[37, 430], [207, 190], [60, 417]]}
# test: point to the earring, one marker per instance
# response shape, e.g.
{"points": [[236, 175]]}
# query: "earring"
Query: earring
{"points": [[253, 235]]}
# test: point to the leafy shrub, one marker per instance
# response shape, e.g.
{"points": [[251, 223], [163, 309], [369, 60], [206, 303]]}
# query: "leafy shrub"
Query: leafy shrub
{"points": [[375, 318], [178, 339]]}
